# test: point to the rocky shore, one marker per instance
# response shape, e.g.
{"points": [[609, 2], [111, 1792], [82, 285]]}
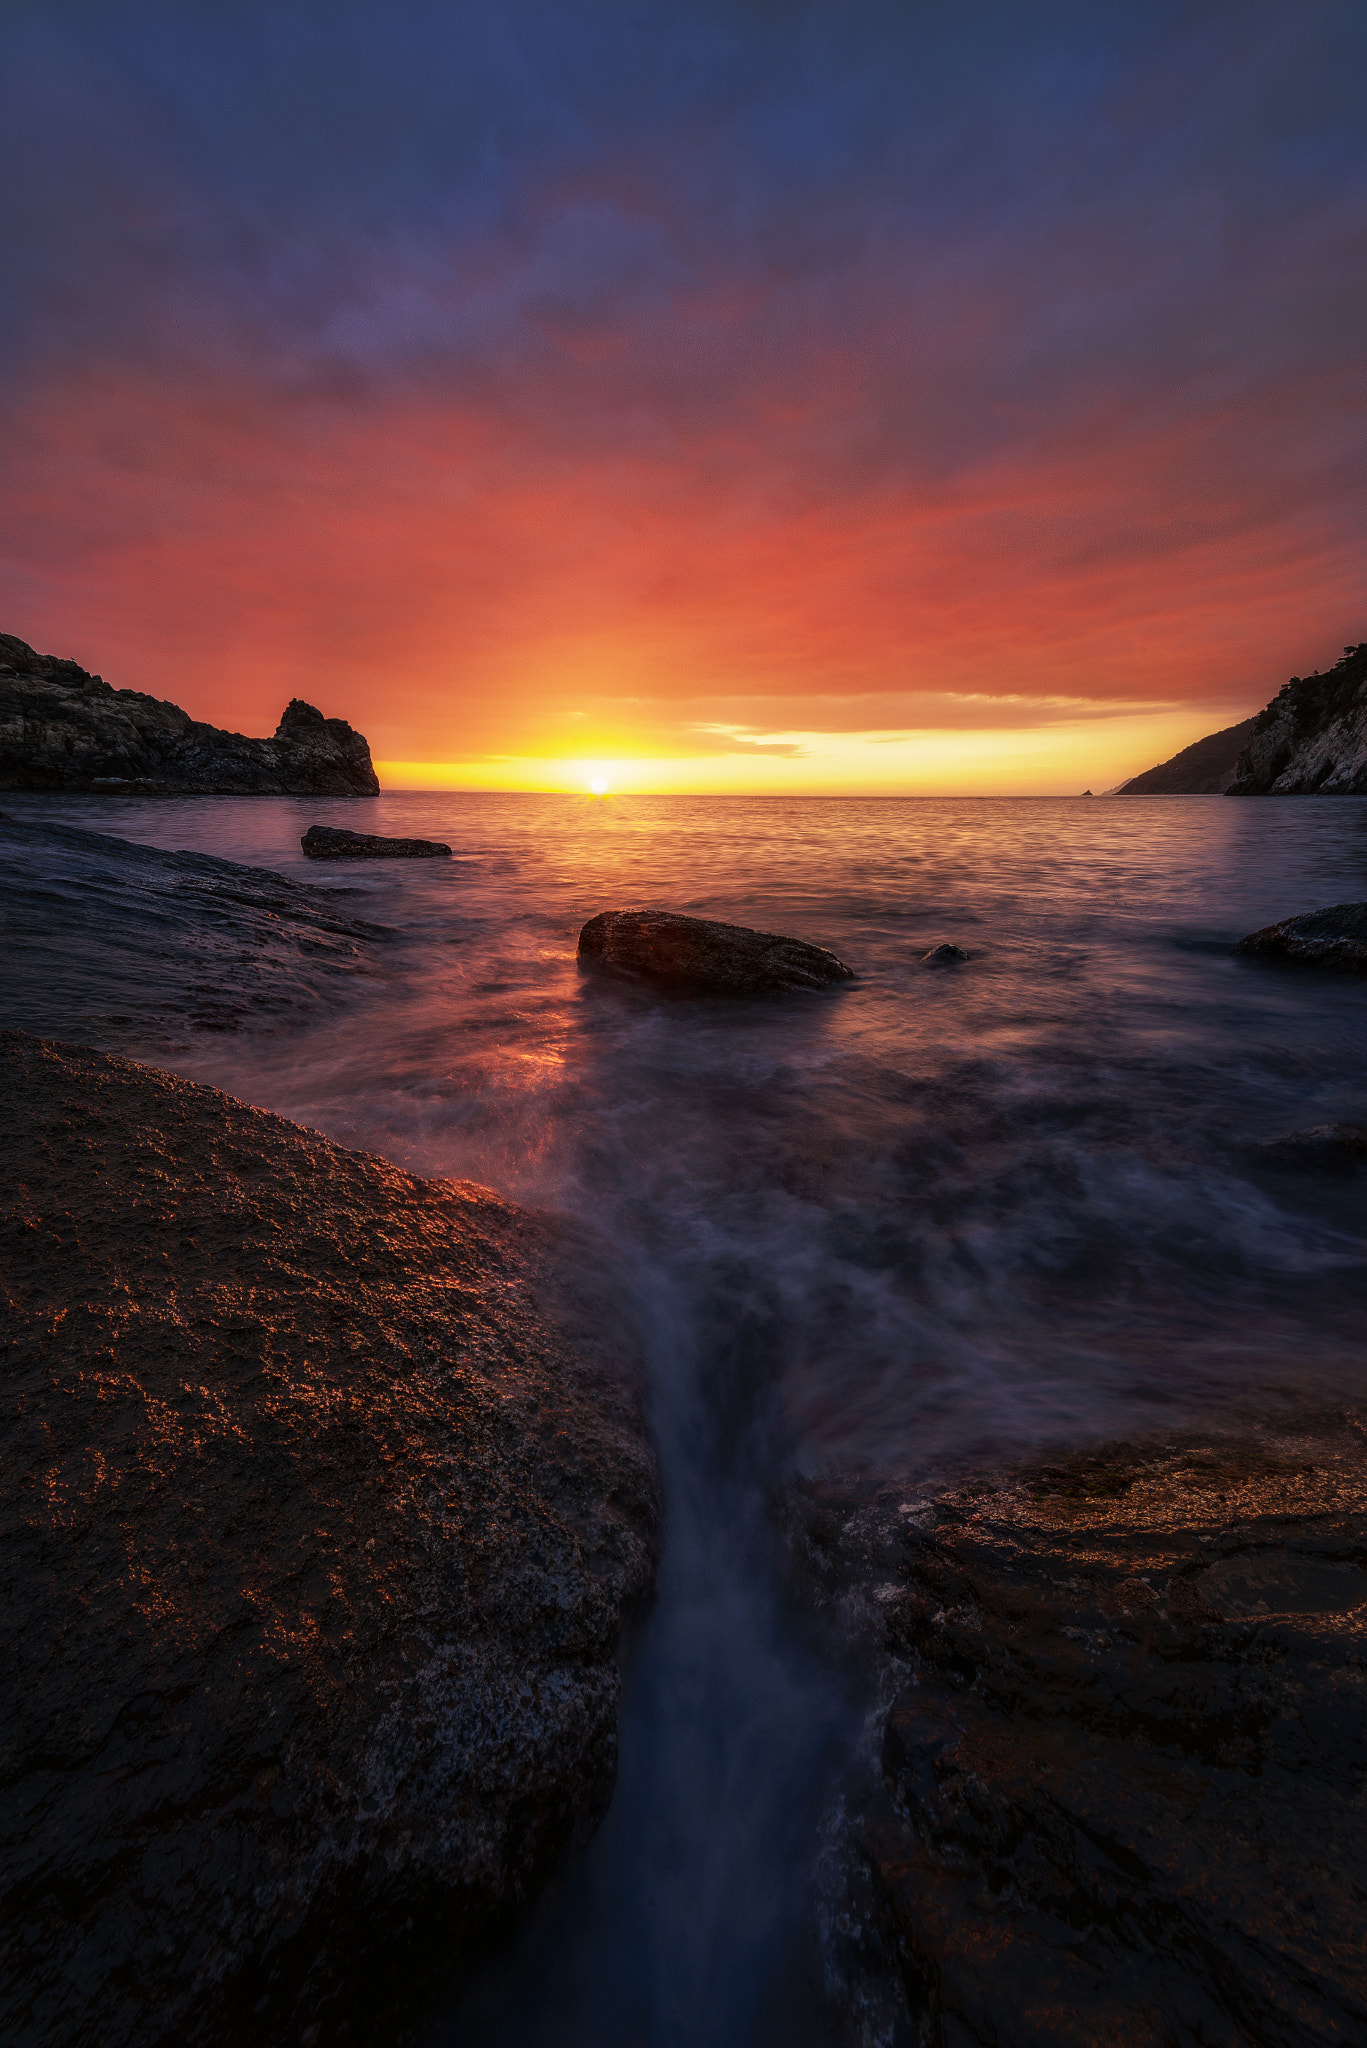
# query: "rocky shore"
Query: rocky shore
{"points": [[327, 1497], [1115, 1789], [128, 946], [64, 729]]}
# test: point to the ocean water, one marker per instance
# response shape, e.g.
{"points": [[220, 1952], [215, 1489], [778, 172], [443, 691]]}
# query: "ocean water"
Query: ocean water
{"points": [[932, 1216]]}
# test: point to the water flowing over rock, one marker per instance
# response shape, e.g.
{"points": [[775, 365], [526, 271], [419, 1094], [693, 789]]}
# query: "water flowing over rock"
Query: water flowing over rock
{"points": [[1336, 937], [328, 842], [63, 729], [1312, 738], [128, 945], [944, 956], [1116, 1791], [1335, 1148], [326, 1495], [702, 956]]}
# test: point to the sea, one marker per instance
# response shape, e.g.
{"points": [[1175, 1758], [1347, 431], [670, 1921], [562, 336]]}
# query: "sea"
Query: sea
{"points": [[940, 1215]]}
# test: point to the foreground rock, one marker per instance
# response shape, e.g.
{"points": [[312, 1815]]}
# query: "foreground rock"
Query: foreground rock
{"points": [[63, 729], [1117, 1795], [699, 955], [1311, 740], [129, 946], [326, 1495], [1206, 768], [1336, 937], [944, 956], [327, 842], [1335, 1148]]}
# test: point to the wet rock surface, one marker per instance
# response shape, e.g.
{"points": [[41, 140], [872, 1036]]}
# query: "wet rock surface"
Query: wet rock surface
{"points": [[1334, 1148], [329, 842], [326, 1494], [699, 955], [1118, 1789], [1336, 937], [126, 945], [944, 956], [64, 729]]}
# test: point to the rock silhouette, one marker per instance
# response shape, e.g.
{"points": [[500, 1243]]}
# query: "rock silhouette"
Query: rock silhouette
{"points": [[326, 1494], [702, 956], [330, 842], [63, 729]]}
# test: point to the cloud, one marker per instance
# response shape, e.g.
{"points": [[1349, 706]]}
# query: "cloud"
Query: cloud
{"points": [[863, 366]]}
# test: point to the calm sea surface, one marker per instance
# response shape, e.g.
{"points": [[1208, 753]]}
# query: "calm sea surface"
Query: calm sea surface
{"points": [[880, 1228]]}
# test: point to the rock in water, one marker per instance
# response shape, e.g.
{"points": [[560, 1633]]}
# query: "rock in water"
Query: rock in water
{"points": [[61, 728], [945, 956], [1322, 938], [327, 842], [705, 957], [1322, 1148], [326, 1493], [1116, 1796]]}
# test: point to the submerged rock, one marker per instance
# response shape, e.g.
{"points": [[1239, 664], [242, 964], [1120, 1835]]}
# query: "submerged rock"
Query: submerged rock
{"points": [[1336, 937], [63, 729], [127, 945], [326, 1495], [943, 956], [328, 842], [701, 955], [1116, 1793], [1321, 1148]]}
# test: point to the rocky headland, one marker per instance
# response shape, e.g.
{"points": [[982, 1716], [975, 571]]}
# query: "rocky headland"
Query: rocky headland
{"points": [[1116, 1788], [1204, 769], [1311, 740], [64, 729], [702, 956], [326, 1499]]}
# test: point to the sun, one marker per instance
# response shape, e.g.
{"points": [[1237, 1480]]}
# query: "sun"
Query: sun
{"points": [[598, 785]]}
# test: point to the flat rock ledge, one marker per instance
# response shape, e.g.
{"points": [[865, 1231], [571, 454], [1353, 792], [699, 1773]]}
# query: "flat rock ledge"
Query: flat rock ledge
{"points": [[1336, 937], [699, 955], [1117, 1783], [327, 1494], [330, 842]]}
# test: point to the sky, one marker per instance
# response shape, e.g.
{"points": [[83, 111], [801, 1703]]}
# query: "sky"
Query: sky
{"points": [[697, 396]]}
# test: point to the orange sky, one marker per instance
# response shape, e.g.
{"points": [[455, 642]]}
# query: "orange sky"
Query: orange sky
{"points": [[764, 457]]}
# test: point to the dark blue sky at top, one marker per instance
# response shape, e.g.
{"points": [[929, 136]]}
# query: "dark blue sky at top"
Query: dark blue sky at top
{"points": [[866, 246]]}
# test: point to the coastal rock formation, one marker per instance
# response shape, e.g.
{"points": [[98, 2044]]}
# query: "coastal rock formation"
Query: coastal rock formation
{"points": [[127, 945], [1204, 769], [326, 1495], [1336, 937], [328, 842], [702, 956], [944, 956], [62, 729], [1117, 1789], [1311, 740], [1336, 1148]]}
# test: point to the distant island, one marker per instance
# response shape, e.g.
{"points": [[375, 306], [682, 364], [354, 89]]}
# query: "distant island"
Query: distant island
{"points": [[1311, 740], [64, 729]]}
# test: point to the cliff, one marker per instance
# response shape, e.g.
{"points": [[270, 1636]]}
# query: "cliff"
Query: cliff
{"points": [[1206, 768], [1312, 738], [62, 729]]}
